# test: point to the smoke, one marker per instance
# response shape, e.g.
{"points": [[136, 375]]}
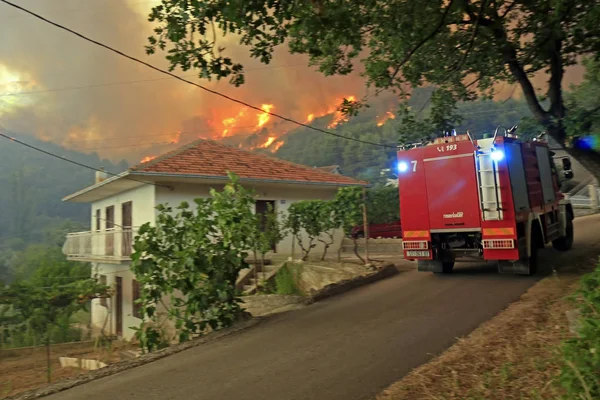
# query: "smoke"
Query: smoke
{"points": [[86, 98]]}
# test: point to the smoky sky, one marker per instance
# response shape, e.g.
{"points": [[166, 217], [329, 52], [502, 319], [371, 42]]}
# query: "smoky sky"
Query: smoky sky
{"points": [[90, 99], [87, 98]]}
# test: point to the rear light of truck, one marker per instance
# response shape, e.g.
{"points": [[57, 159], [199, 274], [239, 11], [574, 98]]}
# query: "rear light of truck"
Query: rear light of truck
{"points": [[493, 244], [415, 245]]}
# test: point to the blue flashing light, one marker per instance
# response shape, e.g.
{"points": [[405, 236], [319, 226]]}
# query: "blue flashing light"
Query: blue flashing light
{"points": [[497, 155], [402, 166]]}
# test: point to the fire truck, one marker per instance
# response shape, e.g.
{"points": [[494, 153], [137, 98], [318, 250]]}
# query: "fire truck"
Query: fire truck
{"points": [[496, 199]]}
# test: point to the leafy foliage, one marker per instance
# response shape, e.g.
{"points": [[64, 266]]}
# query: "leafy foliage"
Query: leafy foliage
{"points": [[583, 102], [27, 306], [580, 375], [271, 230], [383, 204], [462, 47], [307, 216], [189, 262], [348, 204], [286, 280]]}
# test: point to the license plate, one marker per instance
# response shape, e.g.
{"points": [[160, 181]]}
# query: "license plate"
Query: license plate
{"points": [[413, 253]]}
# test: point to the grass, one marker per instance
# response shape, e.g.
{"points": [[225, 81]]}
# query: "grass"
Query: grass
{"points": [[286, 280], [513, 356]]}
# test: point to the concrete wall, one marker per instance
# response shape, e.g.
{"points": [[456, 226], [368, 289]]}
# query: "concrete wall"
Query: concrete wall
{"points": [[142, 198], [283, 197], [106, 316]]}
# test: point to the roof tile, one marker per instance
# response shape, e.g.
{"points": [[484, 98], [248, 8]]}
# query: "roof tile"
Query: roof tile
{"points": [[208, 158]]}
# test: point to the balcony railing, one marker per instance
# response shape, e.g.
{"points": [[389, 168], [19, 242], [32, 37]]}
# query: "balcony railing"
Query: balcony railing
{"points": [[108, 245]]}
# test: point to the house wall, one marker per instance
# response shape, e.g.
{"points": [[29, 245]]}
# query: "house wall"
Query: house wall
{"points": [[142, 198], [145, 199], [106, 316], [283, 197]]}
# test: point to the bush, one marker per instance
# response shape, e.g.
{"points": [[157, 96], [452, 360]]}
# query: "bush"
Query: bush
{"points": [[580, 374], [286, 280]]}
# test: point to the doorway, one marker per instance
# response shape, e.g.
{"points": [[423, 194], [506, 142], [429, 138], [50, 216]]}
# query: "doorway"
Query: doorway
{"points": [[119, 306], [262, 206]]}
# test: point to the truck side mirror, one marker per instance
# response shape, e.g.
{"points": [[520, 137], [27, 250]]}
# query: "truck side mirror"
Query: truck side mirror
{"points": [[566, 162]]}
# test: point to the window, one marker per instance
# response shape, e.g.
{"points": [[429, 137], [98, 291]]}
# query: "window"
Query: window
{"points": [[98, 219], [110, 217], [103, 282], [137, 308]]}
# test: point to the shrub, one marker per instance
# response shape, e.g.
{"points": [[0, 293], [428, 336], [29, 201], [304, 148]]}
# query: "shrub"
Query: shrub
{"points": [[580, 374], [287, 279]]}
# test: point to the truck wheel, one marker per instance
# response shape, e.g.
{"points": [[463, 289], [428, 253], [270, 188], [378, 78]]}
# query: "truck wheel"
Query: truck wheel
{"points": [[565, 243]]}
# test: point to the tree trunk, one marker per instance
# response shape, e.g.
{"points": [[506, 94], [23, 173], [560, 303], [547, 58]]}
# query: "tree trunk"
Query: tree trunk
{"points": [[354, 240]]}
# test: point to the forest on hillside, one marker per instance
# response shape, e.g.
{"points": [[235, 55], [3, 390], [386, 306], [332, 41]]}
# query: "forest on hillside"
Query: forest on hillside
{"points": [[33, 218]]}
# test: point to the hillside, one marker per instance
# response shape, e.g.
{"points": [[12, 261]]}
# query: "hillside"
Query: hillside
{"points": [[33, 185], [306, 146]]}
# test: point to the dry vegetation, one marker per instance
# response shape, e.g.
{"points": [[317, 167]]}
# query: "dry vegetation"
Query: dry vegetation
{"points": [[25, 369], [513, 356]]}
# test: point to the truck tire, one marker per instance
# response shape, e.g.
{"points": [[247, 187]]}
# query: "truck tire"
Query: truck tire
{"points": [[536, 245], [564, 243]]}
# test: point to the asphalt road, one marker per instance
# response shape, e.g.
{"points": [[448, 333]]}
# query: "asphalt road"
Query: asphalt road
{"points": [[347, 348]]}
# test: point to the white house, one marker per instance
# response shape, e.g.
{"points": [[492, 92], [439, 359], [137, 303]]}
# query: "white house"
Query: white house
{"points": [[122, 203]]}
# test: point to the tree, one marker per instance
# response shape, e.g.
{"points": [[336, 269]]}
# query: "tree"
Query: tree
{"points": [[192, 259], [307, 216], [329, 224], [43, 307], [583, 102], [383, 204], [272, 231], [348, 204], [463, 47]]}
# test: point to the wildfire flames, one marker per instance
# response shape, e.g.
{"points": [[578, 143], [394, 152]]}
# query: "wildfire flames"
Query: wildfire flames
{"points": [[388, 115], [338, 116], [264, 117], [147, 159]]}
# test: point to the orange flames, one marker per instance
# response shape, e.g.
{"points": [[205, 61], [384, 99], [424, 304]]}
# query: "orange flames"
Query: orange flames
{"points": [[147, 159], [264, 117], [269, 141], [338, 116], [276, 146], [388, 115], [310, 117]]}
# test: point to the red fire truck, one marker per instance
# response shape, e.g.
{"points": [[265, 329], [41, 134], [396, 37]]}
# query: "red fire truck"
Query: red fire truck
{"points": [[496, 199]]}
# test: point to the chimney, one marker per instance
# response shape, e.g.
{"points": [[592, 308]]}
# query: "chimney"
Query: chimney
{"points": [[100, 175]]}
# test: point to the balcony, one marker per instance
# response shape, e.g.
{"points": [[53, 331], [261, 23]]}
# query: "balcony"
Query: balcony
{"points": [[110, 245]]}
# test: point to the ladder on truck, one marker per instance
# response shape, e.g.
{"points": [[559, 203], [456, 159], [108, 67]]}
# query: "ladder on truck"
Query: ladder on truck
{"points": [[489, 189]]}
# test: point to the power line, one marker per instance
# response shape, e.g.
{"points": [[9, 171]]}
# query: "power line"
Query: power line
{"points": [[75, 162], [165, 72]]}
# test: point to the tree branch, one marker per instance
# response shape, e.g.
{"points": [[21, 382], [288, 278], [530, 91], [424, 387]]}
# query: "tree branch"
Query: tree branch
{"points": [[472, 41], [422, 42]]}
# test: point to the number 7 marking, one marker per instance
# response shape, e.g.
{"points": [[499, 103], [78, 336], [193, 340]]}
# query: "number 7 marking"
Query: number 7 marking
{"points": [[414, 163]]}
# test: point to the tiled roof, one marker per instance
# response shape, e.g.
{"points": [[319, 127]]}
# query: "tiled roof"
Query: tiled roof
{"points": [[330, 168], [211, 159]]}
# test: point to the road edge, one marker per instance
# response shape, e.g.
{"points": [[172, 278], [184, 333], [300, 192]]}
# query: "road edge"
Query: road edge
{"points": [[335, 289]]}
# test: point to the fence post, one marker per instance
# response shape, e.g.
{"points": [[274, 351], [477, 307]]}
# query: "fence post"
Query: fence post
{"points": [[593, 197]]}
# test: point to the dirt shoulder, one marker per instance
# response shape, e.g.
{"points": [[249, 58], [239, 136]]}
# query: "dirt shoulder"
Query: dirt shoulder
{"points": [[512, 356]]}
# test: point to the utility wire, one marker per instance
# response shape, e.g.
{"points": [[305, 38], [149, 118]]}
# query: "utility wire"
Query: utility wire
{"points": [[165, 72], [75, 162]]}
